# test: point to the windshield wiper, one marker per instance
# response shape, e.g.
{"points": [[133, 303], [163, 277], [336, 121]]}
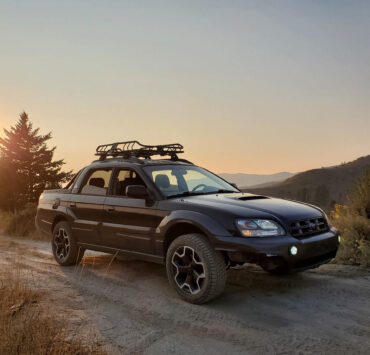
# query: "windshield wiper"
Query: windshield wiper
{"points": [[187, 193], [221, 191]]}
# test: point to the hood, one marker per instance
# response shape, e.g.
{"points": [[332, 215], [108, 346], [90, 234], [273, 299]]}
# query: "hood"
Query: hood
{"points": [[249, 205]]}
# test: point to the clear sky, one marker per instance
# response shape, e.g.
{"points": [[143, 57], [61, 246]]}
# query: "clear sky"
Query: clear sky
{"points": [[245, 86]]}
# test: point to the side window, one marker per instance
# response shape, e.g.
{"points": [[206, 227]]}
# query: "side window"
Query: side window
{"points": [[124, 178], [97, 182]]}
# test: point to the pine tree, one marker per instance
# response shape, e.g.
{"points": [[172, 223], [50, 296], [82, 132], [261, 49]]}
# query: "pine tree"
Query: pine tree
{"points": [[26, 164]]}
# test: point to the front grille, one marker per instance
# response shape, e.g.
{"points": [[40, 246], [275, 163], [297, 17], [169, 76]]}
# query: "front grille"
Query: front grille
{"points": [[307, 227]]}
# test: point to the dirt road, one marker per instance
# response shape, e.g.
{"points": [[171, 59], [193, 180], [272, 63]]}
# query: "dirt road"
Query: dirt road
{"points": [[130, 306]]}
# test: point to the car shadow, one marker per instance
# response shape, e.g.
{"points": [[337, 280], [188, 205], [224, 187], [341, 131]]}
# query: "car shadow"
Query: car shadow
{"points": [[244, 284], [132, 297]]}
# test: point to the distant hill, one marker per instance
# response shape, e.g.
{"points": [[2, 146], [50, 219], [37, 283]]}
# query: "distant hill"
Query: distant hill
{"points": [[266, 184], [248, 180], [322, 187]]}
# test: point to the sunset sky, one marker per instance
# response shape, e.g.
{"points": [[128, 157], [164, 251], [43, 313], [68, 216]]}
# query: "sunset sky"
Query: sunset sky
{"points": [[245, 86]]}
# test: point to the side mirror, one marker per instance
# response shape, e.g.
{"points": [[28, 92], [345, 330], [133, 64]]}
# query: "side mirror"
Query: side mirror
{"points": [[234, 185], [48, 185], [136, 191]]}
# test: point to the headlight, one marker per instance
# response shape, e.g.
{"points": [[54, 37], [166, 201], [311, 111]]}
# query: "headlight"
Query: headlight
{"points": [[326, 218], [259, 228]]}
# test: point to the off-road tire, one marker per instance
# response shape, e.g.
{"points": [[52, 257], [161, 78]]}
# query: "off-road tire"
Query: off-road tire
{"points": [[73, 253], [213, 264]]}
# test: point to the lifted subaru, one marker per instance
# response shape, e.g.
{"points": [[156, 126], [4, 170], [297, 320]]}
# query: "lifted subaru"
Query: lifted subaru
{"points": [[173, 212]]}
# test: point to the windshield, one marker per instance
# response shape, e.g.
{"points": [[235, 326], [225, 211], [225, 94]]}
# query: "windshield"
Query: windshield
{"points": [[185, 180]]}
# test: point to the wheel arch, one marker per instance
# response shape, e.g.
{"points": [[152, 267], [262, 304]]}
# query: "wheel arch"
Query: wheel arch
{"points": [[182, 222], [180, 228], [58, 218]]}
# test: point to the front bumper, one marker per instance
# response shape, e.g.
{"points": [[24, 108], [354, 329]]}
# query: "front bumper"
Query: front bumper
{"points": [[272, 252]]}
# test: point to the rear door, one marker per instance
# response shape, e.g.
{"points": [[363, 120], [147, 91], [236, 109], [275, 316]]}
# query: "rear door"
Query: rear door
{"points": [[129, 223], [87, 205]]}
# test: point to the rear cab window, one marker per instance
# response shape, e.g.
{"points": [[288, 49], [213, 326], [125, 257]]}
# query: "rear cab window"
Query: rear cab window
{"points": [[96, 182]]}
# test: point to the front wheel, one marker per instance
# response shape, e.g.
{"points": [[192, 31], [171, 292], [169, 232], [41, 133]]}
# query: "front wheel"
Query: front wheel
{"points": [[65, 250], [195, 269]]}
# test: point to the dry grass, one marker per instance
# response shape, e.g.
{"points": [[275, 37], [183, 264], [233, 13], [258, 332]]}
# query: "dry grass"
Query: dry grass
{"points": [[22, 223], [353, 223], [355, 232], [4, 219], [27, 328]]}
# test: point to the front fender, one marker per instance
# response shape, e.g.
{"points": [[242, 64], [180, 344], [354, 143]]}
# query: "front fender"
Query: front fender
{"points": [[205, 223]]}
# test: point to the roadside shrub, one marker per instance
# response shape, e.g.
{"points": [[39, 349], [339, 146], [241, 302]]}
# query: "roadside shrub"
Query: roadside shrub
{"points": [[353, 224], [21, 223], [360, 197], [4, 219]]}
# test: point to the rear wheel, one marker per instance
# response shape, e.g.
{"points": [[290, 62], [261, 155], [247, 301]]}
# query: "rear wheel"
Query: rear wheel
{"points": [[195, 270], [65, 250]]}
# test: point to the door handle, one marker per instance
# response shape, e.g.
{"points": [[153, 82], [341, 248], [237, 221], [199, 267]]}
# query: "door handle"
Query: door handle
{"points": [[110, 209], [72, 204]]}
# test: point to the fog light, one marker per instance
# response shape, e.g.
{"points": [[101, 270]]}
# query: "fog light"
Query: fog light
{"points": [[293, 250], [338, 238]]}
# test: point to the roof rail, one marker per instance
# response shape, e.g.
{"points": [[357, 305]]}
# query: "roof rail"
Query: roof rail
{"points": [[183, 161], [134, 149]]}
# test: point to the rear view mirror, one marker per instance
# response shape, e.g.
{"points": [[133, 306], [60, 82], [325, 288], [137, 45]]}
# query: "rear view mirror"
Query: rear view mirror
{"points": [[136, 191]]}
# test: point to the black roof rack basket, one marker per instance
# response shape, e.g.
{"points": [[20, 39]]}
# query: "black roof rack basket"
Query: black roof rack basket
{"points": [[134, 149]]}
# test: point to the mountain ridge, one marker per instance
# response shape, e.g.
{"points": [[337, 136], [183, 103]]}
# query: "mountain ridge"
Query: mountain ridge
{"points": [[323, 186], [244, 180]]}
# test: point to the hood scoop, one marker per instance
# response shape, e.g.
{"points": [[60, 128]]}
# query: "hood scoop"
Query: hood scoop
{"points": [[253, 197]]}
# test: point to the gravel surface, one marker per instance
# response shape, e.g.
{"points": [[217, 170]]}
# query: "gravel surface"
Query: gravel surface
{"points": [[129, 307]]}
